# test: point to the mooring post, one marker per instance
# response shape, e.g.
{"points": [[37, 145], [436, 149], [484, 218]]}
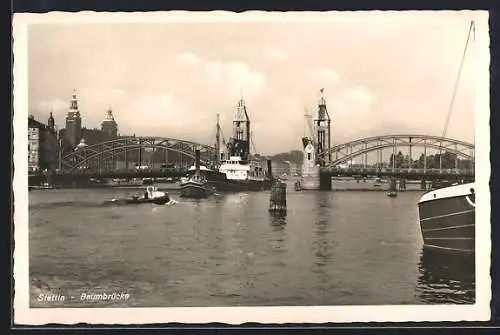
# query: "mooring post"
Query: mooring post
{"points": [[277, 202], [423, 184]]}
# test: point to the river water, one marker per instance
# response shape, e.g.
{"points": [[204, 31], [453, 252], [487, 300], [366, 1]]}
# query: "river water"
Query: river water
{"points": [[332, 248]]}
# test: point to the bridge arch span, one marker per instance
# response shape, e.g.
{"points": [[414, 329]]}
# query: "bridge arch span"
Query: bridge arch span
{"points": [[94, 155], [352, 149]]}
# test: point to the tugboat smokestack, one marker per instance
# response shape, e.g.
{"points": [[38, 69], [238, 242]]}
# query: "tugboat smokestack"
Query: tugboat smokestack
{"points": [[270, 169], [197, 162]]}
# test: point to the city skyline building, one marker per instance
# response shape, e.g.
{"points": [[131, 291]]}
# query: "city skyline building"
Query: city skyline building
{"points": [[109, 127]]}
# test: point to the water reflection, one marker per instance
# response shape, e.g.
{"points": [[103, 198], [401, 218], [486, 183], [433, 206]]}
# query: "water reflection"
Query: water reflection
{"points": [[445, 278], [278, 220], [321, 242], [278, 224], [322, 246]]}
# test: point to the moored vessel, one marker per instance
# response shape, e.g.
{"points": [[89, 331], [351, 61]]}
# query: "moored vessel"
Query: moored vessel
{"points": [[447, 218], [235, 170], [242, 172], [448, 214]]}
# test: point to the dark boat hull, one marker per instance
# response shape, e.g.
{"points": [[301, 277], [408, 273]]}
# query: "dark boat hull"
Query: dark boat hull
{"points": [[196, 190], [448, 223], [219, 181], [157, 201]]}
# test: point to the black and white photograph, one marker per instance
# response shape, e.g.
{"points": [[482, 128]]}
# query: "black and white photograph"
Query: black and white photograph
{"points": [[271, 167]]}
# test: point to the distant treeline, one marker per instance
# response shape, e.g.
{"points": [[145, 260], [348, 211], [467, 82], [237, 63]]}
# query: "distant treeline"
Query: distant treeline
{"points": [[448, 161], [401, 161]]}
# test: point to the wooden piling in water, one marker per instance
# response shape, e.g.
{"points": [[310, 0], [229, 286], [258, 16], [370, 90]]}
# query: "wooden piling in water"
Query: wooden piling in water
{"points": [[277, 202], [402, 185], [392, 184]]}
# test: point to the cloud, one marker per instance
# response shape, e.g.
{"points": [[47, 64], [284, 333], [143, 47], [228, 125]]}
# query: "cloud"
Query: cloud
{"points": [[275, 54], [190, 58], [56, 106], [234, 77], [353, 102], [103, 94], [324, 76], [157, 109]]}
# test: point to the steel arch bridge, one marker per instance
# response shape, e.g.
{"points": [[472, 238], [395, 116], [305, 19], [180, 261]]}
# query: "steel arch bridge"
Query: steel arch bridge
{"points": [[103, 156], [342, 153]]}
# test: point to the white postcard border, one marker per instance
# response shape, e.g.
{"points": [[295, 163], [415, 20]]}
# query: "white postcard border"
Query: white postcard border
{"points": [[237, 315]]}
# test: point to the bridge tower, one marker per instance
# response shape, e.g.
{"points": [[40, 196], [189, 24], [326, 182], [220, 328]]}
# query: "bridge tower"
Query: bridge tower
{"points": [[240, 143], [323, 133]]}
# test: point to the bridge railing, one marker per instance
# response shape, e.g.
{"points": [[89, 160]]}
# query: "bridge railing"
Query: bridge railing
{"points": [[398, 171], [86, 171]]}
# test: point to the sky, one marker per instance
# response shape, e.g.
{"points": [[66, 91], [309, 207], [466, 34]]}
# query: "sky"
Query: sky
{"points": [[381, 74]]}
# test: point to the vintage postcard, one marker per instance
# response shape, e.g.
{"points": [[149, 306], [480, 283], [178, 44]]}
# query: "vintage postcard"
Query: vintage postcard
{"points": [[270, 167]]}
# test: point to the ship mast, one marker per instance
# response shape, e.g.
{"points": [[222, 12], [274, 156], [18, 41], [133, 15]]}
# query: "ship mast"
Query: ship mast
{"points": [[217, 142], [471, 30]]}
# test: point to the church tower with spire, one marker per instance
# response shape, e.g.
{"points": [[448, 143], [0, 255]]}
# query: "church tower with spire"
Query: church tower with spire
{"points": [[109, 127], [73, 132], [51, 122]]}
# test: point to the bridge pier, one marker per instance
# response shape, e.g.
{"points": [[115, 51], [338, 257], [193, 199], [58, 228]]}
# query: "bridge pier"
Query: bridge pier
{"points": [[325, 182]]}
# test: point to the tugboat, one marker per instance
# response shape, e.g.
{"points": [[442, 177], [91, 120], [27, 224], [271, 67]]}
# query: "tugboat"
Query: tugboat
{"points": [[196, 186], [151, 195]]}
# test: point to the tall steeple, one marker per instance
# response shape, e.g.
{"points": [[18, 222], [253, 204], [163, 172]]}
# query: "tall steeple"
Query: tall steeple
{"points": [[73, 132], [73, 109], [51, 121]]}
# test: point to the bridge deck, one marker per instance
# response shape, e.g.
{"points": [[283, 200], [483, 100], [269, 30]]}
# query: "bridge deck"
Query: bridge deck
{"points": [[433, 173]]}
